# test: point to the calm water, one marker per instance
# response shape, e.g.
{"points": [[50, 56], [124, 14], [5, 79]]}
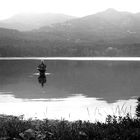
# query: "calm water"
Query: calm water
{"points": [[87, 90]]}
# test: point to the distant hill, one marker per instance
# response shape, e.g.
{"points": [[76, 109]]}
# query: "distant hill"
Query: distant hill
{"points": [[26, 22], [108, 25], [107, 33]]}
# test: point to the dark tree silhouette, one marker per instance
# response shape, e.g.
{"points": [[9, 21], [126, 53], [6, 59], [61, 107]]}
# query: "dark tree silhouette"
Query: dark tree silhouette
{"points": [[138, 108]]}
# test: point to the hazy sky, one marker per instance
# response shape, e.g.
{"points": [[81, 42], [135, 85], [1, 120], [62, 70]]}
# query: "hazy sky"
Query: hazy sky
{"points": [[70, 7]]}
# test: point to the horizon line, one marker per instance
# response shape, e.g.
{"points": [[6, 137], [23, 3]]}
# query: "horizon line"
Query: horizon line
{"points": [[74, 58]]}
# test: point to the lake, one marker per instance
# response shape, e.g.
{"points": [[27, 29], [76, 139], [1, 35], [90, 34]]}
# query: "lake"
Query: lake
{"points": [[86, 90]]}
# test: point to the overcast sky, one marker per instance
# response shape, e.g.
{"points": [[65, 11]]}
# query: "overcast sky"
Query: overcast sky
{"points": [[70, 7]]}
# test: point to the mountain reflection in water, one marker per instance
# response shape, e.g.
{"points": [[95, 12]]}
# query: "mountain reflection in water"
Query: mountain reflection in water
{"points": [[72, 88], [70, 108]]}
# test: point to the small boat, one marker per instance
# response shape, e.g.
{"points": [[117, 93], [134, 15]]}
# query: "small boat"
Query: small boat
{"points": [[42, 68]]}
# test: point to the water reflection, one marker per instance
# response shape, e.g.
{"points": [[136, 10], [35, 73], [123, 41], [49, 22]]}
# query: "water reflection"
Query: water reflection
{"points": [[71, 108], [117, 81], [75, 89], [42, 79]]}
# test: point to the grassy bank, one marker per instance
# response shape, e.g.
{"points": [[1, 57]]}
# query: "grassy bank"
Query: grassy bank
{"points": [[115, 128]]}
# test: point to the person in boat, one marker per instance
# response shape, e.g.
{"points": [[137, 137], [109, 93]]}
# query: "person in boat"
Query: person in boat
{"points": [[42, 67]]}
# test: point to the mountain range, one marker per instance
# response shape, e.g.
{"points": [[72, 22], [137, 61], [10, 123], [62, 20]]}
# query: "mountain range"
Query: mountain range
{"points": [[109, 25], [107, 33]]}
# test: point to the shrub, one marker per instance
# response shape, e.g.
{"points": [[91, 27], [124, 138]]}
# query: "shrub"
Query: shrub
{"points": [[138, 107]]}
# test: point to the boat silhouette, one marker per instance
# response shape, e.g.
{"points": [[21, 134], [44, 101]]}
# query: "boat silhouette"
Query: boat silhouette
{"points": [[42, 77], [42, 68]]}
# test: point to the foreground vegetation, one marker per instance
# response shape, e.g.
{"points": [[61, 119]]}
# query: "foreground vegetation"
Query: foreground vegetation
{"points": [[115, 128]]}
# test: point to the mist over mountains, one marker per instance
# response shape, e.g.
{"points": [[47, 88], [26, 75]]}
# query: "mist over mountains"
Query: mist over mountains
{"points": [[26, 22], [107, 33]]}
